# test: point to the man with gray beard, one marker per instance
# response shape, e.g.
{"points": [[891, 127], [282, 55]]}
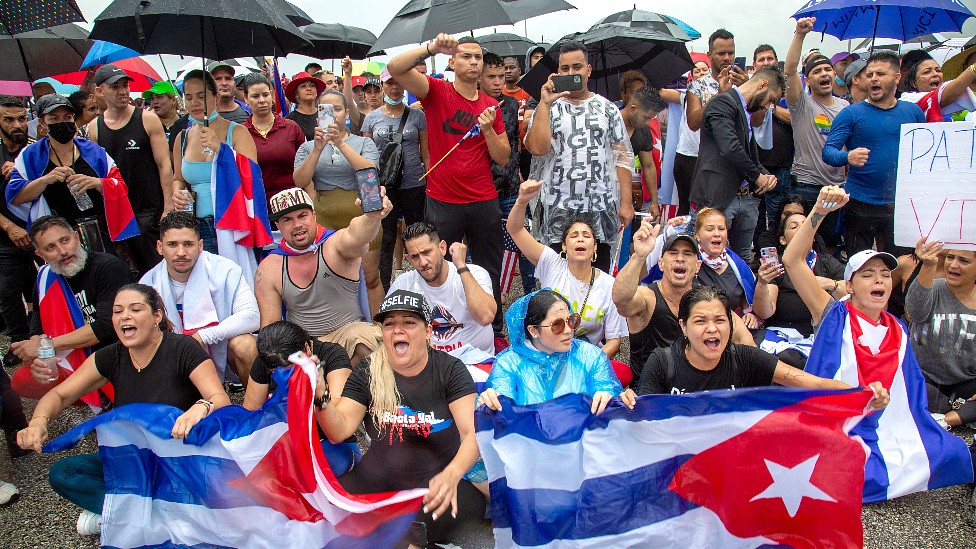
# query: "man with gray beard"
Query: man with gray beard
{"points": [[93, 278]]}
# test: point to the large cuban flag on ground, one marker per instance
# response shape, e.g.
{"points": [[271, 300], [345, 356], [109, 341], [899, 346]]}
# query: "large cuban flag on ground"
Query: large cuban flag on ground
{"points": [[242, 479], [910, 452], [745, 468]]}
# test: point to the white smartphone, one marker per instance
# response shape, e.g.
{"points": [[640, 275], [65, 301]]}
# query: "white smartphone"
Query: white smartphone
{"points": [[326, 116]]}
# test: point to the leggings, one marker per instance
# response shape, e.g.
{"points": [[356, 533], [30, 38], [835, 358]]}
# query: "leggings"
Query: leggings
{"points": [[942, 396], [471, 508]]}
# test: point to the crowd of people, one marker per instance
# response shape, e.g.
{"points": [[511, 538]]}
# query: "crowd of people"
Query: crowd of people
{"points": [[113, 250]]}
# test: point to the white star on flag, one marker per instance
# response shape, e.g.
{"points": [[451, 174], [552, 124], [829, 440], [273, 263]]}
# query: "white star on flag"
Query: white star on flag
{"points": [[872, 336], [793, 484]]}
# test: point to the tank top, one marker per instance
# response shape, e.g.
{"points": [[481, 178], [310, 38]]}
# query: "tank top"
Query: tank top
{"points": [[132, 151], [328, 303], [661, 330], [197, 175]]}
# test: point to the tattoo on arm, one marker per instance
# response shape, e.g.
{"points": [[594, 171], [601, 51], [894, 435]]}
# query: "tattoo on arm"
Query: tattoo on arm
{"points": [[815, 219], [793, 375], [420, 59]]}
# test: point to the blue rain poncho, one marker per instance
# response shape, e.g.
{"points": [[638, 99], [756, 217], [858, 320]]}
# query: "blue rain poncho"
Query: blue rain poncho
{"points": [[530, 376]]}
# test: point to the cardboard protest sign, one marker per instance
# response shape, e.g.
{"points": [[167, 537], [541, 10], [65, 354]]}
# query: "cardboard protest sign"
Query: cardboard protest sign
{"points": [[936, 193]]}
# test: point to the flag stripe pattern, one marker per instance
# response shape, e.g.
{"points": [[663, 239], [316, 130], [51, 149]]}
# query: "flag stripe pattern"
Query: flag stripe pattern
{"points": [[241, 479], [681, 470], [909, 451]]}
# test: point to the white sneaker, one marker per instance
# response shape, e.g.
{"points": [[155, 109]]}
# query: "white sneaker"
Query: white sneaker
{"points": [[89, 524], [8, 493], [940, 419]]}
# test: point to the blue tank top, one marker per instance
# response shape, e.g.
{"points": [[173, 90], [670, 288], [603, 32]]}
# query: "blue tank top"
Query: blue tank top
{"points": [[197, 176]]}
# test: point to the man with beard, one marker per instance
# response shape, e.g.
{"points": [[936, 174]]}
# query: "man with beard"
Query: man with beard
{"points": [[93, 277], [17, 271], [136, 140], [652, 310], [728, 175], [459, 294], [864, 138], [206, 296], [316, 272], [227, 105], [813, 115]]}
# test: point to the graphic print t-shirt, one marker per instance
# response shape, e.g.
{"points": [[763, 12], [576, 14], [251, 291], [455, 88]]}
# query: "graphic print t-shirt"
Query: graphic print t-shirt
{"points": [[464, 176], [418, 440], [739, 367], [453, 324], [811, 124], [589, 142]]}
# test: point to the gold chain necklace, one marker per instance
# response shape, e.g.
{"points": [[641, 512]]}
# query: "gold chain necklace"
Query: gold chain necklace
{"points": [[135, 363], [266, 131]]}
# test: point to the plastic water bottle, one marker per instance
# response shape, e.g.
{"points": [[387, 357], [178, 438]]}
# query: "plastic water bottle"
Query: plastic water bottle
{"points": [[83, 201], [189, 196], [45, 352]]}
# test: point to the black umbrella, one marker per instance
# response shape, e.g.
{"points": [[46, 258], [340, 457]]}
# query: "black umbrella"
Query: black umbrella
{"points": [[44, 52], [296, 15], [614, 50], [652, 21], [335, 41], [506, 44], [422, 20], [19, 16]]}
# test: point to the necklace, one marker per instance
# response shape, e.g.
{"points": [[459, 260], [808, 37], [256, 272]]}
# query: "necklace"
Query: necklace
{"points": [[135, 363], [263, 131]]}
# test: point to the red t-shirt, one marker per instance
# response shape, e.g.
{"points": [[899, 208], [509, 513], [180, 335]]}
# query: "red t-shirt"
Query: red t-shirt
{"points": [[464, 176], [276, 153]]}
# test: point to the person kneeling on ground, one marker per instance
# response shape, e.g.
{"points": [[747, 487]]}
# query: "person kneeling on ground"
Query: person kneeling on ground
{"points": [[149, 364]]}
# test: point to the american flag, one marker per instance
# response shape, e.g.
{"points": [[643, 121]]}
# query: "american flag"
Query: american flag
{"points": [[510, 259]]}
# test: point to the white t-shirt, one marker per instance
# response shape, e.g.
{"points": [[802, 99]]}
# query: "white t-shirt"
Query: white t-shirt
{"points": [[600, 318], [705, 88], [453, 324]]}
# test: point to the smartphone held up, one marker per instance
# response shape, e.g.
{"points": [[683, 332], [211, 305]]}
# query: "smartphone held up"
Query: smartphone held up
{"points": [[368, 181]]}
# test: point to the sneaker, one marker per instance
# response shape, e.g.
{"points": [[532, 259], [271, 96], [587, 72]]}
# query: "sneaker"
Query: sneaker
{"points": [[235, 387], [8, 493], [89, 524], [940, 419]]}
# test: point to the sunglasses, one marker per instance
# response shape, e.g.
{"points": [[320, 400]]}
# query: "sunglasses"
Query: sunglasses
{"points": [[559, 325]]}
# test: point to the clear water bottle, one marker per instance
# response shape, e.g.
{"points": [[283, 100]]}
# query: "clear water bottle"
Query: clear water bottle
{"points": [[83, 201], [45, 352], [189, 196]]}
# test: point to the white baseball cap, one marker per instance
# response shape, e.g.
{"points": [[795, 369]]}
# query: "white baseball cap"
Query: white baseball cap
{"points": [[858, 260]]}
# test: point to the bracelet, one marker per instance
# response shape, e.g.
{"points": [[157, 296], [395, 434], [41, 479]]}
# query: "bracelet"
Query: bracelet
{"points": [[463, 270], [46, 419], [206, 403], [427, 47], [836, 285], [972, 68], [517, 203]]}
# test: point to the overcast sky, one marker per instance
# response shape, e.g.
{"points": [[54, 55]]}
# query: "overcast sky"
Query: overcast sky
{"points": [[752, 23]]}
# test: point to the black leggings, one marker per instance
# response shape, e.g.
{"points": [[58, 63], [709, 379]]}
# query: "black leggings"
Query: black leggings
{"points": [[684, 176], [409, 203], [941, 397], [471, 508]]}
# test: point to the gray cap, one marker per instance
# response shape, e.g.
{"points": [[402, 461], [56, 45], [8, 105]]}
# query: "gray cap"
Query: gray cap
{"points": [[214, 65], [48, 103], [109, 74], [854, 69]]}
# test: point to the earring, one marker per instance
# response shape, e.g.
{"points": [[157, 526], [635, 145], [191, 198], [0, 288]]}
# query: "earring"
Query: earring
{"points": [[157, 325], [594, 257], [562, 254]]}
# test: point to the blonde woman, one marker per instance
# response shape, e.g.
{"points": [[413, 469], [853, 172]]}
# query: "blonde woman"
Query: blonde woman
{"points": [[420, 404]]}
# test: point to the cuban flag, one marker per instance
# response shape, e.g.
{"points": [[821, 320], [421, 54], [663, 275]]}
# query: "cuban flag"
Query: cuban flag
{"points": [[60, 315], [281, 102], [910, 452], [32, 162], [744, 468], [241, 479], [241, 221]]}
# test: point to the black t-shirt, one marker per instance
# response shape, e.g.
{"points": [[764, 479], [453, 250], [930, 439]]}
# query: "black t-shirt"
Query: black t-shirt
{"points": [[165, 380], [727, 282], [419, 441], [331, 355], [94, 288], [740, 367], [179, 125], [642, 140], [791, 312], [307, 122], [7, 156], [62, 202], [781, 155]]}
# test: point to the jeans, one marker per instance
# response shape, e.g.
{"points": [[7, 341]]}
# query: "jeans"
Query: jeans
{"points": [[742, 215], [526, 268], [684, 177], [142, 248], [774, 197], [830, 228], [866, 222], [481, 222], [342, 457], [410, 204], [208, 233], [17, 276], [80, 480], [12, 417]]}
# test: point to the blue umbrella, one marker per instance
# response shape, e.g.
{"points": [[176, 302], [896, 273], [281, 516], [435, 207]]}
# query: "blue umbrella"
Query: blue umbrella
{"points": [[898, 19], [106, 52]]}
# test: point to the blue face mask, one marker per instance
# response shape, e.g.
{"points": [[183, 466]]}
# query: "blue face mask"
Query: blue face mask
{"points": [[211, 118], [839, 81], [389, 101]]}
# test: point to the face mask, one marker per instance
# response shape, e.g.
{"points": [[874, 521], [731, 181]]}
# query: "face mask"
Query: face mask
{"points": [[839, 81], [389, 101], [211, 118], [62, 132]]}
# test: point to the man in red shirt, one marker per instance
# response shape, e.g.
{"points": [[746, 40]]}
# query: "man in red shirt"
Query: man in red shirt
{"points": [[461, 197]]}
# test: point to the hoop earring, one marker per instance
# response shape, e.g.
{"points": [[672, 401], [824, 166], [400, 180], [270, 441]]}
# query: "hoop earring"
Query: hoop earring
{"points": [[562, 254]]}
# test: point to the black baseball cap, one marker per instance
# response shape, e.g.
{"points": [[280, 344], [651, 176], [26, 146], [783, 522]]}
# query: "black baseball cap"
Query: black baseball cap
{"points": [[679, 237], [109, 74], [50, 102], [407, 301]]}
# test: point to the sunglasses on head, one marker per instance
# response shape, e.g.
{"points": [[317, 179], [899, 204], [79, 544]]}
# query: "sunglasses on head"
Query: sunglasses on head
{"points": [[559, 325]]}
